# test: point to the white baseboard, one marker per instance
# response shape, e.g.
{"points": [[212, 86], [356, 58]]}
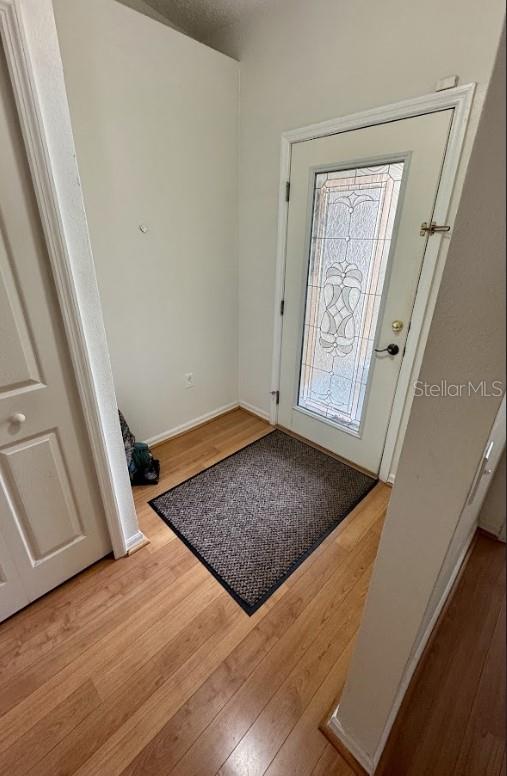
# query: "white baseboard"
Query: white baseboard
{"points": [[493, 529], [254, 410], [419, 649], [135, 541], [338, 730], [155, 440], [370, 762]]}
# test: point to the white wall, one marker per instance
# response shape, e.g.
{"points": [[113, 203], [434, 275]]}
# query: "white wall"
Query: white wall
{"points": [[423, 536], [142, 7], [304, 62], [154, 115]]}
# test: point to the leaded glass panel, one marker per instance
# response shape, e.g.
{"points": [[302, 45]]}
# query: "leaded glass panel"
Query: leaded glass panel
{"points": [[352, 228]]}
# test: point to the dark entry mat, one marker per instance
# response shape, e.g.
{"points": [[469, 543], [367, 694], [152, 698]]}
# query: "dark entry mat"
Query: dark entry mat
{"points": [[254, 517]]}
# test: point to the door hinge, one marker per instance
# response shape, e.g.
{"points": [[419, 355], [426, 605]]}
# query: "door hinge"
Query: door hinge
{"points": [[287, 191], [276, 394], [282, 307], [433, 228]]}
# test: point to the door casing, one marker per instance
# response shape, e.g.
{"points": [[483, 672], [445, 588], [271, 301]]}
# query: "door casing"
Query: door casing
{"points": [[459, 99]]}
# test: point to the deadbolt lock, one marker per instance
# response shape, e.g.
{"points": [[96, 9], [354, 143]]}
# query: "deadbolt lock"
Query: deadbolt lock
{"points": [[397, 326]]}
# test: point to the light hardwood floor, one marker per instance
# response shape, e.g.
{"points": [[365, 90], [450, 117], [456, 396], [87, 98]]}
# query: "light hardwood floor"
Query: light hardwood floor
{"points": [[147, 666], [452, 720]]}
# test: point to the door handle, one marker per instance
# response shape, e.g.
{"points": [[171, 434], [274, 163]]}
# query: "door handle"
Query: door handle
{"points": [[392, 349]]}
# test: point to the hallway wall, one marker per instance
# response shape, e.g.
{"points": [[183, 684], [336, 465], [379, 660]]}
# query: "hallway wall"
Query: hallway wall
{"points": [[427, 528], [154, 115]]}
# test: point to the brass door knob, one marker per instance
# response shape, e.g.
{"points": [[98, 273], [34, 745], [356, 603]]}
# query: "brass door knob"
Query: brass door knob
{"points": [[397, 326]]}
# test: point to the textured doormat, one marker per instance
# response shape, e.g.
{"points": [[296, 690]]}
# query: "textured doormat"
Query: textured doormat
{"points": [[254, 517]]}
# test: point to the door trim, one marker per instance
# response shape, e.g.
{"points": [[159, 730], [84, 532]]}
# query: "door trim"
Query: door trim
{"points": [[30, 42], [458, 99]]}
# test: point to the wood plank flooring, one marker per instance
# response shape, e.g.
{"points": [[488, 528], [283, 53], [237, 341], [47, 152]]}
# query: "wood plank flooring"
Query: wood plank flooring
{"points": [[452, 720], [147, 666]]}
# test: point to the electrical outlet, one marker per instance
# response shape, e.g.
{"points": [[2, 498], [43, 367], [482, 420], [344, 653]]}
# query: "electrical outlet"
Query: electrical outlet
{"points": [[189, 380]]}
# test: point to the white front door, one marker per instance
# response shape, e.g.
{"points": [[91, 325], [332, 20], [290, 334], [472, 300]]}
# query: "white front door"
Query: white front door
{"points": [[51, 518], [354, 255]]}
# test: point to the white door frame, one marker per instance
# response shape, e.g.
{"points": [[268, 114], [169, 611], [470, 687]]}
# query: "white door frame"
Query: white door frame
{"points": [[30, 42], [460, 100]]}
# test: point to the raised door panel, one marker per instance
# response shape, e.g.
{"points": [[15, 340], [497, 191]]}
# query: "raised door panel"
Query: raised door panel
{"points": [[18, 363], [48, 535], [39, 494]]}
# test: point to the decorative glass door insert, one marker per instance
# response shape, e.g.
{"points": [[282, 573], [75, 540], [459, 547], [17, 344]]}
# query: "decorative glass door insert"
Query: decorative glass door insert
{"points": [[354, 213]]}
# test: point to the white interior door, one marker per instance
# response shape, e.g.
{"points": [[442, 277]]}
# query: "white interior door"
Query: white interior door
{"points": [[354, 255], [13, 595], [51, 519]]}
